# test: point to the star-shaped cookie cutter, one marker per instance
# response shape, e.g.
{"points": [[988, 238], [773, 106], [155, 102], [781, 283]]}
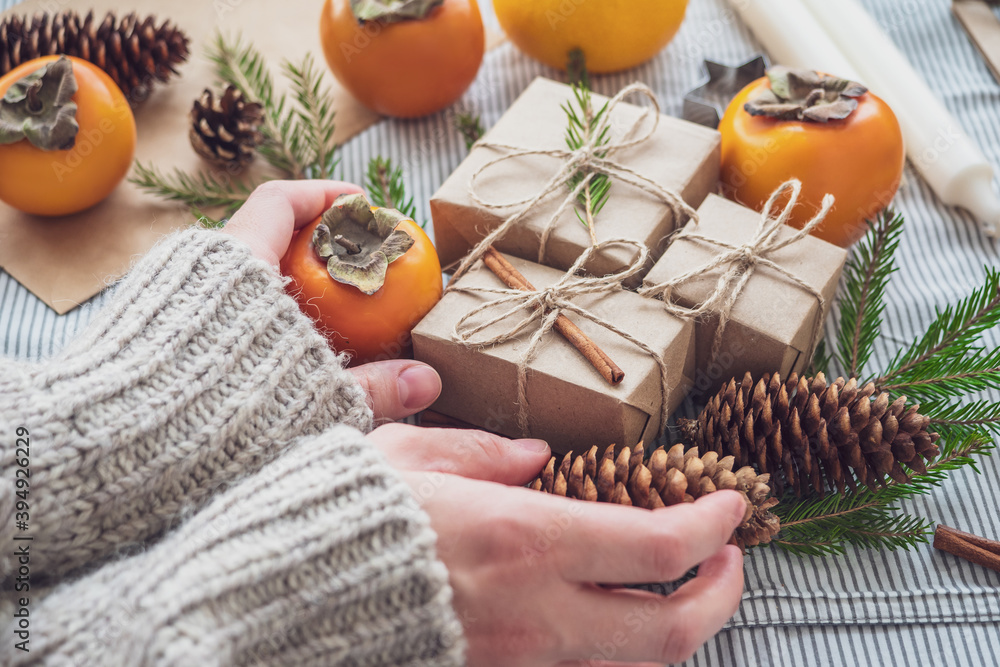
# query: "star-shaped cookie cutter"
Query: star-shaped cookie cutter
{"points": [[706, 103]]}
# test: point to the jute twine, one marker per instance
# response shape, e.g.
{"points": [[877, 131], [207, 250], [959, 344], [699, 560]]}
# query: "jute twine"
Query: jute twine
{"points": [[588, 159], [741, 262], [539, 309]]}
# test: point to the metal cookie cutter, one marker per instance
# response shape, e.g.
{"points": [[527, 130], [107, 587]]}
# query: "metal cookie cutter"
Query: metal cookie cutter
{"points": [[706, 103]]}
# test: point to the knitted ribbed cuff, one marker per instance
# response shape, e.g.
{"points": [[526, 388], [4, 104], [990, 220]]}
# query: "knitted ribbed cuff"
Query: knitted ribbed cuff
{"points": [[198, 371], [322, 558]]}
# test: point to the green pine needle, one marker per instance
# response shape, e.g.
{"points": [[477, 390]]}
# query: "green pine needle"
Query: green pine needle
{"points": [[314, 129], [470, 126], [583, 123], [198, 190], [867, 273], [948, 359], [385, 187]]}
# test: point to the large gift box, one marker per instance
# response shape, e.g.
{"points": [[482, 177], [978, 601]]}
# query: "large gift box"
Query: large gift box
{"points": [[568, 403], [679, 157], [775, 320]]}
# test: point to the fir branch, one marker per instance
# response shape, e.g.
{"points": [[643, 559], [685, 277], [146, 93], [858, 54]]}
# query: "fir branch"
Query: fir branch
{"points": [[315, 113], [938, 378], [583, 124], [953, 335], [470, 126], [197, 190], [955, 423], [867, 273], [385, 187], [865, 518], [244, 67]]}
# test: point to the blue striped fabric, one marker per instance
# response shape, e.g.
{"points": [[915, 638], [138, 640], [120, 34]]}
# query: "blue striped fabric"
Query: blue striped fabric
{"points": [[912, 608]]}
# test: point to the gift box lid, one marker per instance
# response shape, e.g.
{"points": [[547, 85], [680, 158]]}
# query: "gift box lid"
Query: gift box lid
{"points": [[769, 303], [680, 156]]}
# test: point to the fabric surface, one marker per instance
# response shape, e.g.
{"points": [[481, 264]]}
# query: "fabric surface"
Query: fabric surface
{"points": [[915, 607], [200, 383]]}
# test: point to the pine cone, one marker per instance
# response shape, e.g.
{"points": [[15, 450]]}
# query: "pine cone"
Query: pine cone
{"points": [[669, 477], [133, 52], [225, 131], [812, 435]]}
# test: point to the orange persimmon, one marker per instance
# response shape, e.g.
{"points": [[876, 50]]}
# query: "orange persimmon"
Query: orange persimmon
{"points": [[369, 318], [59, 181], [857, 158], [404, 66]]}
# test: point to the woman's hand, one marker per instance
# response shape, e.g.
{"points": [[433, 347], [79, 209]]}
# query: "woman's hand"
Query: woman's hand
{"points": [[276, 209], [527, 568]]}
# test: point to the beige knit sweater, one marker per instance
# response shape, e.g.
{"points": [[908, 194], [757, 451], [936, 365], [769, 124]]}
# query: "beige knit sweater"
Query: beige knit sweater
{"points": [[201, 492]]}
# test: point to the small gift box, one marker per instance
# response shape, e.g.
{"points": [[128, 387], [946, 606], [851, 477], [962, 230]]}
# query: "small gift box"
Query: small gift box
{"points": [[659, 168], [757, 289], [504, 367]]}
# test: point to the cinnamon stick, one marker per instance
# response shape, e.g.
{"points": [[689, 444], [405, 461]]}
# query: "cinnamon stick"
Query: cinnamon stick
{"points": [[972, 548], [514, 279]]}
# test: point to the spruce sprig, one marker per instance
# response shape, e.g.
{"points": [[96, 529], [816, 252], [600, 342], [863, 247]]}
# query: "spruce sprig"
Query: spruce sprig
{"points": [[199, 190], [868, 273], [584, 122], [384, 183], [298, 132], [949, 356], [241, 65], [867, 518], [941, 368], [315, 126], [470, 126]]}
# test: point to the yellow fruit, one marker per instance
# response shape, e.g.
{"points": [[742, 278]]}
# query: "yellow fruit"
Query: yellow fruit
{"points": [[613, 34]]}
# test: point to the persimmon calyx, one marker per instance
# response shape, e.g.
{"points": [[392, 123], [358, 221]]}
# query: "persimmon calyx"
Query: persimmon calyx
{"points": [[393, 11], [805, 95], [358, 243], [40, 108]]}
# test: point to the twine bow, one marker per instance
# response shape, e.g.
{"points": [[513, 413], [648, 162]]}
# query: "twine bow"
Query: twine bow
{"points": [[742, 261], [587, 158], [543, 306]]}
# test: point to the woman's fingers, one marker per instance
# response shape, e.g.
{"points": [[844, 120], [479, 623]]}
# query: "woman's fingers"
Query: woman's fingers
{"points": [[609, 543], [464, 452], [277, 208], [640, 626], [399, 388]]}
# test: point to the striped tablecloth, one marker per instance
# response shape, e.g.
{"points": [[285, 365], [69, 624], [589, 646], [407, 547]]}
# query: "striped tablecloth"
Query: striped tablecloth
{"points": [[918, 607]]}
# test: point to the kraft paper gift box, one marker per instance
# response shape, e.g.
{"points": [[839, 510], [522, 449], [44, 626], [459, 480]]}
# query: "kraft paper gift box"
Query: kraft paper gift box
{"points": [[681, 157], [569, 404], [773, 320]]}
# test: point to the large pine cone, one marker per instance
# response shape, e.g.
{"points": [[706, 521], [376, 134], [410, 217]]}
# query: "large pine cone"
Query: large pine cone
{"points": [[813, 435], [669, 477], [134, 52], [225, 131]]}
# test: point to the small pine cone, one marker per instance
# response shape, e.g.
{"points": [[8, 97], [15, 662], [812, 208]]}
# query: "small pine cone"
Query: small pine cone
{"points": [[225, 131], [812, 435], [669, 477], [135, 53]]}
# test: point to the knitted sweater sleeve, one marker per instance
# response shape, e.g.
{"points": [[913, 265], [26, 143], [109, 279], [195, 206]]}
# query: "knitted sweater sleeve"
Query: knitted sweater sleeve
{"points": [[322, 558], [201, 382]]}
